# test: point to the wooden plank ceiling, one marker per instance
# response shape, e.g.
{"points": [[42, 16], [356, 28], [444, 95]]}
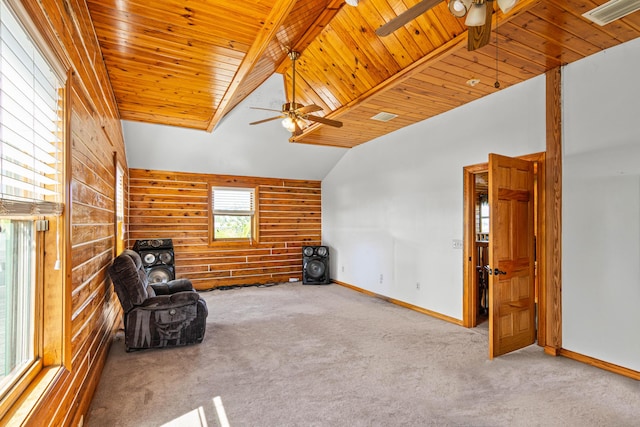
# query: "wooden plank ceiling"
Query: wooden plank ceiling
{"points": [[189, 62]]}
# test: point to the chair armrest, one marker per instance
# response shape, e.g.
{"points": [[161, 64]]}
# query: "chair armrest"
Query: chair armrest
{"points": [[161, 302], [172, 286]]}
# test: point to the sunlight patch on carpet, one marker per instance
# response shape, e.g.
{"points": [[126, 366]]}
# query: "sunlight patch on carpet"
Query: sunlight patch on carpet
{"points": [[222, 415], [193, 418]]}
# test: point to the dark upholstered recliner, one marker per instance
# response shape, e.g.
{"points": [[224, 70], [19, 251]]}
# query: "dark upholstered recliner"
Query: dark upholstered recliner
{"points": [[156, 315]]}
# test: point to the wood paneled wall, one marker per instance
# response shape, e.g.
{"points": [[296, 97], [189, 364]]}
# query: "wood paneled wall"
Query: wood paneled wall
{"points": [[175, 205], [94, 134]]}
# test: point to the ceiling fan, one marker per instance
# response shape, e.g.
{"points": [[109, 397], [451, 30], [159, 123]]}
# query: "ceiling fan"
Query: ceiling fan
{"points": [[478, 19], [295, 115]]}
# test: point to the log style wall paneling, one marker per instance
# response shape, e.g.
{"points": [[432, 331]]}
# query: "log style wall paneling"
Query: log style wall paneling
{"points": [[175, 205], [94, 134]]}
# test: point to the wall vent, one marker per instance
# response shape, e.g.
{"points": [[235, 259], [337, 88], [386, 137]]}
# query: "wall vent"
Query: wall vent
{"points": [[384, 117], [612, 10]]}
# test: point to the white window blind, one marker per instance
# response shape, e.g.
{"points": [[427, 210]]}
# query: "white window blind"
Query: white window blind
{"points": [[119, 193], [31, 131], [230, 201]]}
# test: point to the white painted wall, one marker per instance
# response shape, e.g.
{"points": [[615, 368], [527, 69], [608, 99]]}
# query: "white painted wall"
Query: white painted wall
{"points": [[601, 207], [392, 207], [234, 147]]}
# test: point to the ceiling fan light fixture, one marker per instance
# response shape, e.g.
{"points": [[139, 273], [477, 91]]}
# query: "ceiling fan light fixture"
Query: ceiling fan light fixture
{"points": [[459, 8], [302, 123], [351, 2], [477, 15], [289, 124], [506, 5]]}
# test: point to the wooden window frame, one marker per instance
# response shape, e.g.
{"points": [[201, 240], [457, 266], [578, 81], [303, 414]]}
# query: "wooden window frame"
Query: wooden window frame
{"points": [[52, 319], [248, 242]]}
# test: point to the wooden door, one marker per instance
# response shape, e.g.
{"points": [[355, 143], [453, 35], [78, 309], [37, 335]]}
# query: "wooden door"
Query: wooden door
{"points": [[511, 255]]}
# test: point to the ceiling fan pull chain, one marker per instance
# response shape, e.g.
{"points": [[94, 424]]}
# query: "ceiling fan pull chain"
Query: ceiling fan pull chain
{"points": [[497, 83]]}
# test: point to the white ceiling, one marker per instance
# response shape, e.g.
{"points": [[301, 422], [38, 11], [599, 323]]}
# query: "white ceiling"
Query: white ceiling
{"points": [[234, 147]]}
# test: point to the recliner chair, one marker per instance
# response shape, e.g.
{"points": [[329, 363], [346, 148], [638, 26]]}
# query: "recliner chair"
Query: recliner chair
{"points": [[156, 315]]}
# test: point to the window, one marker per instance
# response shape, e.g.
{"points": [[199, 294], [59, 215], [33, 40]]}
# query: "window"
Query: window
{"points": [[17, 296], [120, 226], [232, 214], [31, 184], [484, 214]]}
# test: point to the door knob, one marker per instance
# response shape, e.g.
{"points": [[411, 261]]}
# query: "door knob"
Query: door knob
{"points": [[495, 271]]}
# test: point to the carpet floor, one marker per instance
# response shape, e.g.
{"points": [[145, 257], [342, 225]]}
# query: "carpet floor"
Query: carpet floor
{"points": [[296, 355]]}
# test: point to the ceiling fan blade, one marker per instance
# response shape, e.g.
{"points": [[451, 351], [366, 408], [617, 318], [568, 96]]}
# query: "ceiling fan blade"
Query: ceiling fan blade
{"points": [[405, 17], [324, 121], [480, 36], [266, 109], [309, 109], [298, 130], [266, 120]]}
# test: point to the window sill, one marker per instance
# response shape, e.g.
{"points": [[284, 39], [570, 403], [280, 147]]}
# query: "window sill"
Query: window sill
{"points": [[35, 393], [233, 244]]}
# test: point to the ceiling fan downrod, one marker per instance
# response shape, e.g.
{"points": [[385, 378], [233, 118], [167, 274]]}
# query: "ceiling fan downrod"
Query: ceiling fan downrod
{"points": [[293, 55]]}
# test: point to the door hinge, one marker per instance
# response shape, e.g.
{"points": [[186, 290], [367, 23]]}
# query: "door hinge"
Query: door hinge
{"points": [[42, 225]]}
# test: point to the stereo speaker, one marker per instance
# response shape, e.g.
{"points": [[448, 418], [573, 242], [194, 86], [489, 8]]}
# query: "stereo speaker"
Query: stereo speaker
{"points": [[315, 265], [157, 259]]}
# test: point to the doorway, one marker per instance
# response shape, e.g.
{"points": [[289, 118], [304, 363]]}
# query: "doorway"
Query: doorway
{"points": [[477, 211], [481, 221]]}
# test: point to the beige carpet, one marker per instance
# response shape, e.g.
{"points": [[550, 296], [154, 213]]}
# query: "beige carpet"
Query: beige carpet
{"points": [[296, 355]]}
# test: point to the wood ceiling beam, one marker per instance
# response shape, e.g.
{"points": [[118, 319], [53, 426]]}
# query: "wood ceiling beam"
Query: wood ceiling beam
{"points": [[276, 18], [311, 33]]}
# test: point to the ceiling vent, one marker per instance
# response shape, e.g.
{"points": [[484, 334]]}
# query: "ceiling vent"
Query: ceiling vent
{"points": [[384, 117], [612, 10]]}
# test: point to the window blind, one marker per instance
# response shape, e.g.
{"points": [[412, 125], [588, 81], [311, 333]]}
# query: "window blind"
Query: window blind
{"points": [[31, 128], [238, 201], [119, 193]]}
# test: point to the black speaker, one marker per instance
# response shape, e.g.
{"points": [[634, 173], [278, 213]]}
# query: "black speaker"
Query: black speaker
{"points": [[151, 244], [160, 273], [315, 265], [157, 259]]}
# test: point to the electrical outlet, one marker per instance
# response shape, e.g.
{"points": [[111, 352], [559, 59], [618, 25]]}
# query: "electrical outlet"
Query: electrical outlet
{"points": [[381, 278], [417, 285], [342, 269]]}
